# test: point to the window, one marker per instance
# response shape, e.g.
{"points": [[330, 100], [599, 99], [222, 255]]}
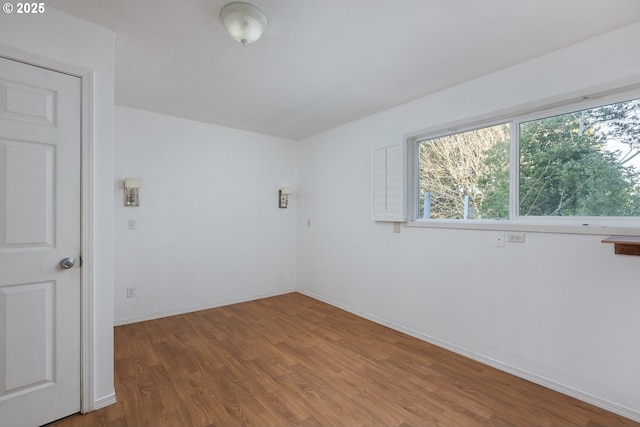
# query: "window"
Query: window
{"points": [[465, 175], [583, 163], [569, 164]]}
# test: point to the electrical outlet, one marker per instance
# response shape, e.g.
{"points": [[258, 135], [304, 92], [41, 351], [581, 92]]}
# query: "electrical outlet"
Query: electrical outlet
{"points": [[498, 240], [515, 237], [131, 292]]}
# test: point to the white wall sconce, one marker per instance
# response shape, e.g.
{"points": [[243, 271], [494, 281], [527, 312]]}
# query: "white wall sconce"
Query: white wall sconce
{"points": [[244, 22], [131, 188], [283, 197]]}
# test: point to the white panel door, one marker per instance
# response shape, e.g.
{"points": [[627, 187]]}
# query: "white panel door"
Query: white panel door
{"points": [[39, 226]]}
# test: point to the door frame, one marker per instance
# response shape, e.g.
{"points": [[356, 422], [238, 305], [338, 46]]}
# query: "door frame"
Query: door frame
{"points": [[86, 77]]}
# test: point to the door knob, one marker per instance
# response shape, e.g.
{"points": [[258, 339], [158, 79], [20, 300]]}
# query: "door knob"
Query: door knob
{"points": [[67, 263]]}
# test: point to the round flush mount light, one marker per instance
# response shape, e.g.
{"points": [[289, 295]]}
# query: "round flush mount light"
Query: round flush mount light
{"points": [[244, 21]]}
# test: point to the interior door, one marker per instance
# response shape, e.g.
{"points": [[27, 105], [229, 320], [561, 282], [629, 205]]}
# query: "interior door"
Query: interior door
{"points": [[39, 227]]}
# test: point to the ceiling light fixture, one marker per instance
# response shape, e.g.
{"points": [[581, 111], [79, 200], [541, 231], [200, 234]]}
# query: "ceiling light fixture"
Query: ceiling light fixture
{"points": [[244, 21]]}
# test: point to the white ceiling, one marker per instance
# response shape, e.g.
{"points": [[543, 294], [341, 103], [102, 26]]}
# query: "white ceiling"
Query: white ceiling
{"points": [[323, 63]]}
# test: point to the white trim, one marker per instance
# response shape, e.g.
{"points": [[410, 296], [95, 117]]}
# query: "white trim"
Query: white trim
{"points": [[105, 401], [532, 227], [545, 382], [87, 402], [191, 309], [514, 172], [87, 233]]}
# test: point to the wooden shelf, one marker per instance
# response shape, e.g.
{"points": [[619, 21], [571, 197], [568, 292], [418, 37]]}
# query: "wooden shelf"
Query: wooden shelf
{"points": [[624, 245]]}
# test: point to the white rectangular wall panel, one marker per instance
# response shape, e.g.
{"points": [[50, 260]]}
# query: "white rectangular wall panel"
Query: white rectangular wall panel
{"points": [[388, 184]]}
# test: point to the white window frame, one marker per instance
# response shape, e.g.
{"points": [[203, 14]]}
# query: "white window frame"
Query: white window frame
{"points": [[574, 225]]}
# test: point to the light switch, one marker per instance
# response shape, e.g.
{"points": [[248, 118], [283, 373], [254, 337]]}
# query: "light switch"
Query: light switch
{"points": [[131, 224]]}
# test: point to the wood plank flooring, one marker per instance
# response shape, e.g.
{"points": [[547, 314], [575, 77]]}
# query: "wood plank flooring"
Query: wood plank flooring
{"points": [[291, 360]]}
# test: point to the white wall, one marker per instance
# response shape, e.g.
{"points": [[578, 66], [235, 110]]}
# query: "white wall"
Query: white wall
{"points": [[209, 231], [560, 309], [58, 37]]}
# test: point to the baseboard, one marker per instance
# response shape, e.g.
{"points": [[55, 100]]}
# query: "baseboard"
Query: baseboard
{"points": [[104, 401], [159, 315], [545, 382]]}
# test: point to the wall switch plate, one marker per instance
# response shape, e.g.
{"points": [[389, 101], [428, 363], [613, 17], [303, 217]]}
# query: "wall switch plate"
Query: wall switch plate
{"points": [[498, 240], [515, 237], [131, 292], [131, 224]]}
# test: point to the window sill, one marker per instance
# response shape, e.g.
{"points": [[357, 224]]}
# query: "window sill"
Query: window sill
{"points": [[632, 228]]}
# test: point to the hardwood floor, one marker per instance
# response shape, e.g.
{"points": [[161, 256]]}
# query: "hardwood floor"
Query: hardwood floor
{"points": [[291, 360]]}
